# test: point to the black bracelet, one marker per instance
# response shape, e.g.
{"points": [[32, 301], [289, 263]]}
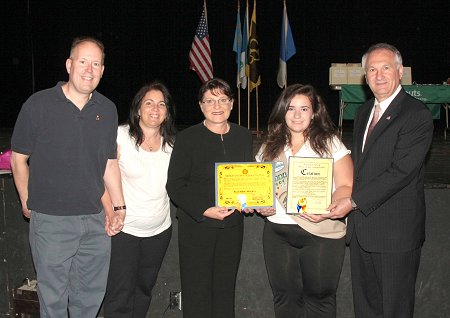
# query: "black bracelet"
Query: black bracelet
{"points": [[119, 208]]}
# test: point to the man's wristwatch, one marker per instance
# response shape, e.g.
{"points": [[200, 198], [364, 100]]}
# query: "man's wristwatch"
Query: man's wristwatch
{"points": [[354, 206]]}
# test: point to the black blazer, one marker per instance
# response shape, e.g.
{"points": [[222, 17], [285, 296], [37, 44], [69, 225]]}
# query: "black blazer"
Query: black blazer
{"points": [[388, 178]]}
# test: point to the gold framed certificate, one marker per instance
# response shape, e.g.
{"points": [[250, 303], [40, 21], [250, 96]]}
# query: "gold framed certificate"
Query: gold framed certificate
{"points": [[245, 185], [310, 184]]}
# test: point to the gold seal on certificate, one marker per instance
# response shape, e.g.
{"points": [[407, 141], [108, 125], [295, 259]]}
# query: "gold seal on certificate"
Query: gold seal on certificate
{"points": [[245, 185], [310, 182]]}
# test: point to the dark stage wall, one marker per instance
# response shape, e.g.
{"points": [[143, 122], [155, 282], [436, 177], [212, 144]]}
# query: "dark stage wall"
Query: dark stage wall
{"points": [[151, 39], [253, 294]]}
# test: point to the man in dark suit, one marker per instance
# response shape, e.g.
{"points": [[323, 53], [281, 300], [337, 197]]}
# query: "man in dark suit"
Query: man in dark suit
{"points": [[386, 228]]}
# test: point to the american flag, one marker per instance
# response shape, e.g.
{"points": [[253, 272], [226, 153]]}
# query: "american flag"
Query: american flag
{"points": [[200, 53]]}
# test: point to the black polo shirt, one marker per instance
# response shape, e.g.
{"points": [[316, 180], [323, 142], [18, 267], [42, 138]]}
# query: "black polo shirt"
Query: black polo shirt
{"points": [[68, 150]]}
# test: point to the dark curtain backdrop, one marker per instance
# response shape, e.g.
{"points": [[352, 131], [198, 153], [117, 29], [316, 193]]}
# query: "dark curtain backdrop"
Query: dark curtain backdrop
{"points": [[148, 40]]}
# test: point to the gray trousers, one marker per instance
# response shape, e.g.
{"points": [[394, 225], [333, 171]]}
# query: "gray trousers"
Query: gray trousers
{"points": [[71, 257]]}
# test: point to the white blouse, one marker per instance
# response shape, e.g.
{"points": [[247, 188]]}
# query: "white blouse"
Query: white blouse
{"points": [[144, 177]]}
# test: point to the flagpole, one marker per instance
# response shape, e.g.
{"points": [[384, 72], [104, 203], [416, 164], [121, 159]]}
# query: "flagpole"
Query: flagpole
{"points": [[256, 92], [248, 78], [248, 102], [238, 72], [257, 112], [239, 105], [206, 13], [286, 84], [284, 12]]}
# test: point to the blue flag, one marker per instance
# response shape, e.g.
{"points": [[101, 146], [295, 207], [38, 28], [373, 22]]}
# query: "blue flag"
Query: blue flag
{"points": [[287, 49], [237, 46], [242, 65]]}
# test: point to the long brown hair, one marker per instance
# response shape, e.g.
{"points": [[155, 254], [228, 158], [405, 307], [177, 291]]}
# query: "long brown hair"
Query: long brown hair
{"points": [[320, 132]]}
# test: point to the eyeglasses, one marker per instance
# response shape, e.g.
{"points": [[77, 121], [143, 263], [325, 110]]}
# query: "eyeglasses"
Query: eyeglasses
{"points": [[221, 101]]}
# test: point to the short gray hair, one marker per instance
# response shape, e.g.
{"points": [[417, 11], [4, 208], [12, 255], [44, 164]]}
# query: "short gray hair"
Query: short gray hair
{"points": [[378, 46]]}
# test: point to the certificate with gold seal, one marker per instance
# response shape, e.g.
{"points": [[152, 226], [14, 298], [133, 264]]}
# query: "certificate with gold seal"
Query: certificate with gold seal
{"points": [[310, 182], [243, 185]]}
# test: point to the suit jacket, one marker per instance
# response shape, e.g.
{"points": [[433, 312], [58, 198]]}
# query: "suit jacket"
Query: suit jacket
{"points": [[388, 177]]}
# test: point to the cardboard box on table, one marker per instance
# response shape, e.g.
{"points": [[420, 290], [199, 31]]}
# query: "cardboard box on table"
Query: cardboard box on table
{"points": [[355, 74], [407, 76], [338, 74]]}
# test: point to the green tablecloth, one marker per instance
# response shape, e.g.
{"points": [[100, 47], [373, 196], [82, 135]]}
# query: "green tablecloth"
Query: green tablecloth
{"points": [[352, 96]]}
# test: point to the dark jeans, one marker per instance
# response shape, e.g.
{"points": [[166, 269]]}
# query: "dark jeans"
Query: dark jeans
{"points": [[303, 270], [135, 263]]}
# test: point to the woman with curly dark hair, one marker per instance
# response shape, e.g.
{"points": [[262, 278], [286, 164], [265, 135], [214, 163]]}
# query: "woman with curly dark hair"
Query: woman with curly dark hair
{"points": [[304, 253]]}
